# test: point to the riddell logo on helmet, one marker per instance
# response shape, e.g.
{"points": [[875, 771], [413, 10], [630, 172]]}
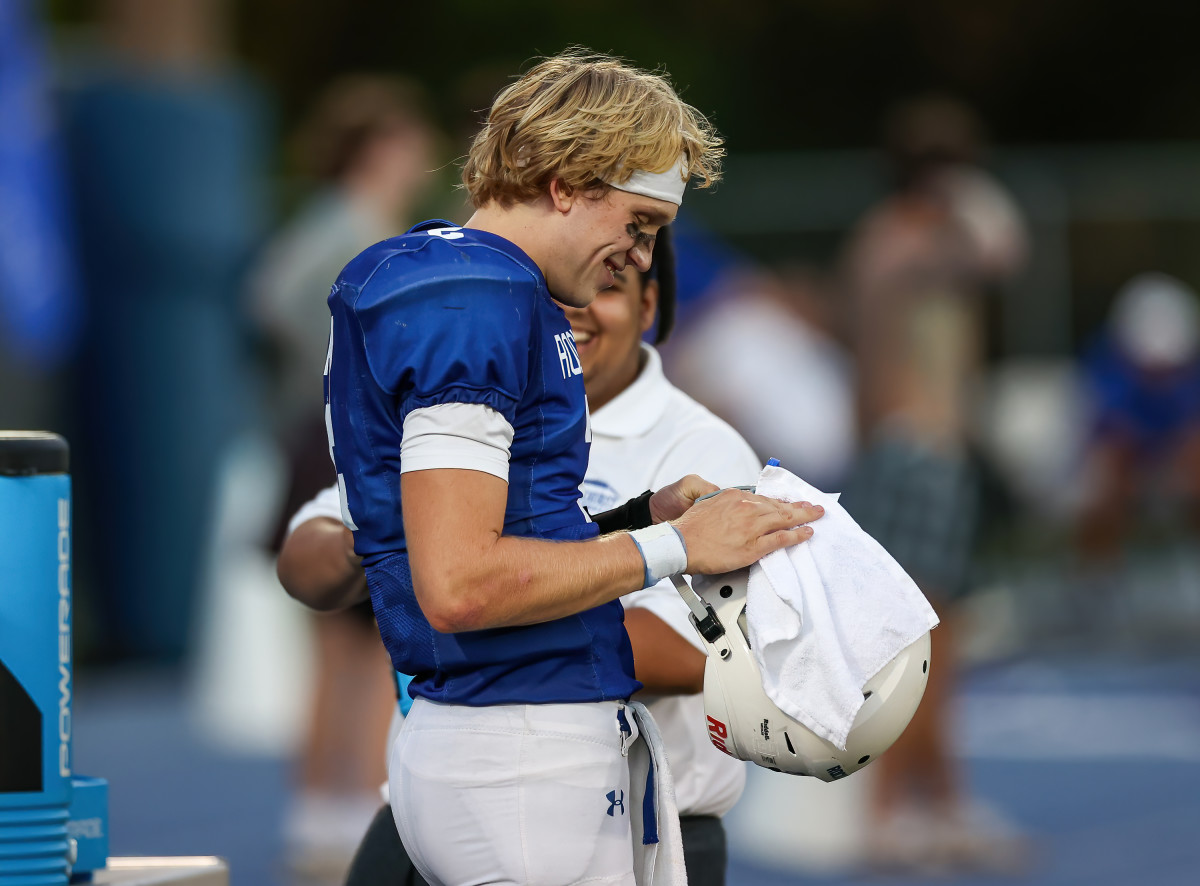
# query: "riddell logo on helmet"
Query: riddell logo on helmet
{"points": [[717, 733]]}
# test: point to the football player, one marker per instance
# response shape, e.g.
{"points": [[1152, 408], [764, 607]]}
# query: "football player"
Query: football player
{"points": [[459, 431], [644, 430]]}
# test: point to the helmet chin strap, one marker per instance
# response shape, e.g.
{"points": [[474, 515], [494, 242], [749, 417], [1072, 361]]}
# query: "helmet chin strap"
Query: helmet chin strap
{"points": [[703, 616]]}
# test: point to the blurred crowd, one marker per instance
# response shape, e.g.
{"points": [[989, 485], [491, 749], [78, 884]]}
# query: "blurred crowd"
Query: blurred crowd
{"points": [[164, 258]]}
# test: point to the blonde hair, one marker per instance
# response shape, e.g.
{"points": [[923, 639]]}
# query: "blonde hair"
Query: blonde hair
{"points": [[586, 119]]}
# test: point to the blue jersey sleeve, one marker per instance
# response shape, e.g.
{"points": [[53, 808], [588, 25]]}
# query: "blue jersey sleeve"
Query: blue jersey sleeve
{"points": [[450, 330]]}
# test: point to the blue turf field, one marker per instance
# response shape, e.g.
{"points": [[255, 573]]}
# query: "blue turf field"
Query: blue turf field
{"points": [[1098, 759]]}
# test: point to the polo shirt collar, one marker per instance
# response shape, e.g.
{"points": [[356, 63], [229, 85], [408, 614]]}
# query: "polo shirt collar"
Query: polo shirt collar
{"points": [[636, 409]]}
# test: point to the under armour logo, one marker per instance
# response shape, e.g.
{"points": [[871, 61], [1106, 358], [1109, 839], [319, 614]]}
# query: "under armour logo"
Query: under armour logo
{"points": [[615, 799]]}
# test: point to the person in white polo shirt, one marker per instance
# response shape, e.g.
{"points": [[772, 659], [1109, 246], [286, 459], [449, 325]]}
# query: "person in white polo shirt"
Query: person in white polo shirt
{"points": [[645, 430], [645, 433]]}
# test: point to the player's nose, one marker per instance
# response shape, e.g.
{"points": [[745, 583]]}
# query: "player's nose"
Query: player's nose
{"points": [[640, 256]]}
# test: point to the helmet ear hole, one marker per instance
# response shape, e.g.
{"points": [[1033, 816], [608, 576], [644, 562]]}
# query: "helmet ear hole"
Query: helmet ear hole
{"points": [[788, 739], [863, 759], [925, 666]]}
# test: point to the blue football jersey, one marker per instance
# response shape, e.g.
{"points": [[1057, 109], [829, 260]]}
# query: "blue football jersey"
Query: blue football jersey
{"points": [[452, 315]]}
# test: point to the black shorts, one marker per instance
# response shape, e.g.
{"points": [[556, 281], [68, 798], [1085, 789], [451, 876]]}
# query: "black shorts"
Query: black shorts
{"points": [[381, 859], [923, 506]]}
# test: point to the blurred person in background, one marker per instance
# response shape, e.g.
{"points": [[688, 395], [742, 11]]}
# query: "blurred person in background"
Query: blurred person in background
{"points": [[757, 333], [1141, 463], [167, 141], [368, 146], [644, 429], [917, 269]]}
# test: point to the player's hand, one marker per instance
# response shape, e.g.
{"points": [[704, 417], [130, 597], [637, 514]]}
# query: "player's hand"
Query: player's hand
{"points": [[670, 502], [735, 528]]}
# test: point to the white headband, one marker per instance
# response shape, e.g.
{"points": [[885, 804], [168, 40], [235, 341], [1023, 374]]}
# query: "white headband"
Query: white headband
{"points": [[667, 185]]}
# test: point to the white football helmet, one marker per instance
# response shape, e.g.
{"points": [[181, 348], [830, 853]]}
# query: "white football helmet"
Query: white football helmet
{"points": [[744, 722]]}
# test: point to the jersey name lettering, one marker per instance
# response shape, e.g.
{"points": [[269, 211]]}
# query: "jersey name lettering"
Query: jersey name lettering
{"points": [[568, 357]]}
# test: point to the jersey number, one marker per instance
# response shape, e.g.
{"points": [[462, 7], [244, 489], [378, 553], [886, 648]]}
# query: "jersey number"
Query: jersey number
{"points": [[341, 478]]}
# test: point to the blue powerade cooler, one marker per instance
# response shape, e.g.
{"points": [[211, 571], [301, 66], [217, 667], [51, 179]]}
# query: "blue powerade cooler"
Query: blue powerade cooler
{"points": [[36, 679]]}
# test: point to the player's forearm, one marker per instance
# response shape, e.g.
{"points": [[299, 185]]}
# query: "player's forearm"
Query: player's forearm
{"points": [[317, 568], [664, 662], [467, 575], [517, 581]]}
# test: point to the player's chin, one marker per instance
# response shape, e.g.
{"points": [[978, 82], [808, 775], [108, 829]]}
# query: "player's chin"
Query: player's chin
{"points": [[579, 298]]}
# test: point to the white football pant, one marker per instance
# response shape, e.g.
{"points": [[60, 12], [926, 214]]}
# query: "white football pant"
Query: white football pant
{"points": [[529, 795]]}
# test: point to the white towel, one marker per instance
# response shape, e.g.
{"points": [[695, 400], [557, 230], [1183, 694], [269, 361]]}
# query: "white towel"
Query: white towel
{"points": [[657, 839], [826, 615]]}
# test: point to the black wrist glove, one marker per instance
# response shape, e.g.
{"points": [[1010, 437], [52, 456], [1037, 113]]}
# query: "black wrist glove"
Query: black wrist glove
{"points": [[634, 514]]}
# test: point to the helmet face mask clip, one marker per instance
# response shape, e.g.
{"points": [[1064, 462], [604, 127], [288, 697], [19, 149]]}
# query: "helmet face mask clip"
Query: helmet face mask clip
{"points": [[743, 721]]}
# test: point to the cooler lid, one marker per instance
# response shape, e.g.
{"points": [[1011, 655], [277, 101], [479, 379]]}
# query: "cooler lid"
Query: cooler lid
{"points": [[26, 453]]}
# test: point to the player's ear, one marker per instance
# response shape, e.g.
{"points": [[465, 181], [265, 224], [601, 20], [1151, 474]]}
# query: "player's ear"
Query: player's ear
{"points": [[562, 195]]}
